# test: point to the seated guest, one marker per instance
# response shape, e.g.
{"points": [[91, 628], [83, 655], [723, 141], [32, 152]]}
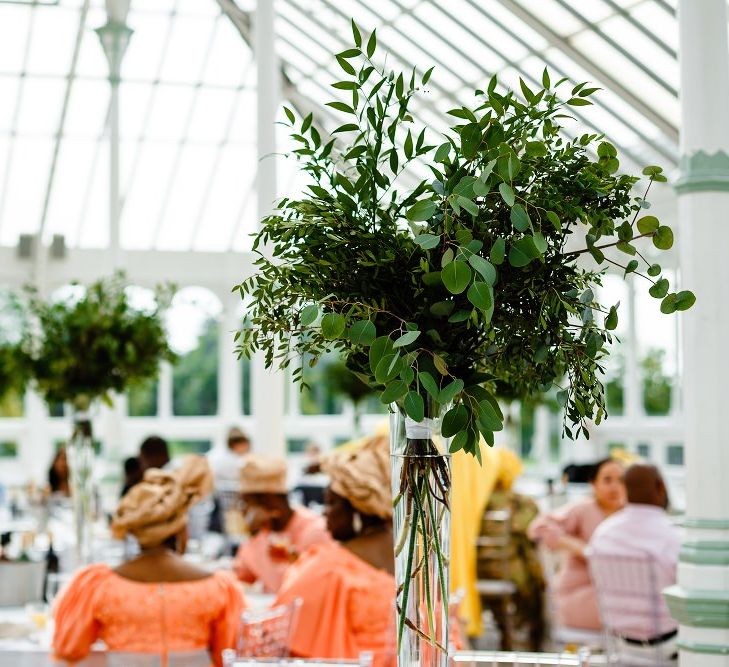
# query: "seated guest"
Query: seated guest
{"points": [[347, 587], [226, 462], [279, 532], [153, 453], [58, 474], [569, 529], [157, 603], [643, 530], [132, 473]]}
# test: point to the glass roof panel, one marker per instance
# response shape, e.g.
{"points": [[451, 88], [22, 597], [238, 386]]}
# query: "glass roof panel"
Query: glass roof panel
{"points": [[188, 125]]}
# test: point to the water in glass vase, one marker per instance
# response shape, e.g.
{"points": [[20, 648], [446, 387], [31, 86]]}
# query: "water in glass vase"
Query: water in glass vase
{"points": [[421, 499]]}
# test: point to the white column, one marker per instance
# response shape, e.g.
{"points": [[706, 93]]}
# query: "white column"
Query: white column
{"points": [[36, 448], [267, 385], [230, 384], [700, 601]]}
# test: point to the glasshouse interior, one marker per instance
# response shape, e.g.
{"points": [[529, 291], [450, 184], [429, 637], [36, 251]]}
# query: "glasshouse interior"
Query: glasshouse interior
{"points": [[363, 333]]}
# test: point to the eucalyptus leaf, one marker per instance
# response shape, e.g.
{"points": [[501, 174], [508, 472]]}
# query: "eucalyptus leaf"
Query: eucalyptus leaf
{"points": [[456, 276], [332, 326], [309, 315], [363, 333]]}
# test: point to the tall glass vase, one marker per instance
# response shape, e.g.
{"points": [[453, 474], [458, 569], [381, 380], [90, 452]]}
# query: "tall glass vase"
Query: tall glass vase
{"points": [[80, 454], [421, 499]]}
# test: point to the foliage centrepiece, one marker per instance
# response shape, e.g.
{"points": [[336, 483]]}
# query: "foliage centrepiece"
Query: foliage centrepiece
{"points": [[469, 285], [79, 350], [13, 369]]}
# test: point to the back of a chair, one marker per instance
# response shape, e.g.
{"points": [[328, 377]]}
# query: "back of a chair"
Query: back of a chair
{"points": [[628, 594], [266, 633], [494, 545], [519, 659]]}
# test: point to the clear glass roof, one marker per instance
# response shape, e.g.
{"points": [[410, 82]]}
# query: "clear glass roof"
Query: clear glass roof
{"points": [[188, 124]]}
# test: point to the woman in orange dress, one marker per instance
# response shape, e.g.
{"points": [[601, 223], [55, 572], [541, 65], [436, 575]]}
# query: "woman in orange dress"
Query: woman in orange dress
{"points": [[157, 603], [348, 587]]}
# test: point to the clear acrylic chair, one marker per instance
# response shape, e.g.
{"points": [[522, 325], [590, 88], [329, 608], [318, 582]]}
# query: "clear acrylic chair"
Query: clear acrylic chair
{"points": [[519, 659], [229, 660], [631, 605], [266, 633]]}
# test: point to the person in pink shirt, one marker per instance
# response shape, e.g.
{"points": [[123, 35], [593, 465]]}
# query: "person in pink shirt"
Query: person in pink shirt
{"points": [[641, 530], [279, 533], [569, 529]]}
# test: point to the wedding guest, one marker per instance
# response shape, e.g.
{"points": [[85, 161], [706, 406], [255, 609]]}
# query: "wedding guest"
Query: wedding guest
{"points": [[642, 529], [154, 453], [279, 532], [132, 473], [226, 462], [157, 603], [569, 529], [58, 474], [347, 586]]}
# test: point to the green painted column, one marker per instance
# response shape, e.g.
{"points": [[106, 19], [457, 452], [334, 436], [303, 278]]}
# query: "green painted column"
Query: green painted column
{"points": [[700, 600]]}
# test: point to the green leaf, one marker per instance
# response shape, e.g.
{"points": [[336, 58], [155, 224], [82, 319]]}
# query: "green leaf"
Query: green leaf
{"points": [[372, 44], [631, 267], [455, 276], [663, 238], [347, 127], [356, 34], [488, 417], [388, 368], [309, 315], [522, 252], [545, 79], [479, 294], [426, 76], [332, 326], [520, 218], [578, 102], [498, 252], [468, 205], [427, 241], [507, 194], [654, 270], [442, 308], [459, 316], [454, 420], [349, 53], [540, 243], [393, 391], [626, 248], [648, 224], [685, 299], [470, 140], [363, 333], [346, 66], [536, 149], [668, 305], [448, 393], [484, 267], [660, 289], [441, 154], [406, 339], [447, 257], [380, 348], [340, 106], [414, 406], [554, 219], [611, 321], [426, 379], [289, 115], [459, 442], [440, 364], [307, 123], [422, 211]]}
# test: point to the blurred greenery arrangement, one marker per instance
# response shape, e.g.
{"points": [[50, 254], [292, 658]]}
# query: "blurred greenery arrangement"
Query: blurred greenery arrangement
{"points": [[79, 350], [469, 285]]}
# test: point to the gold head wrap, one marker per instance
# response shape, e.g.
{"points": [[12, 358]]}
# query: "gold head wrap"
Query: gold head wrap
{"points": [[362, 476], [263, 474], [509, 468], [156, 508]]}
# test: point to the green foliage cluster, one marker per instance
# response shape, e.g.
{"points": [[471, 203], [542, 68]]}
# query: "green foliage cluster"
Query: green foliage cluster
{"points": [[78, 350], [469, 285]]}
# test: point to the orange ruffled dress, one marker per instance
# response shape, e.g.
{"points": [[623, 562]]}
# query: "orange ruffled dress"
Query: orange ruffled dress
{"points": [[347, 605], [140, 617]]}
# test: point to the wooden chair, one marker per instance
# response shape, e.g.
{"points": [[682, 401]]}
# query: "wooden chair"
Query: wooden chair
{"points": [[492, 563]]}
